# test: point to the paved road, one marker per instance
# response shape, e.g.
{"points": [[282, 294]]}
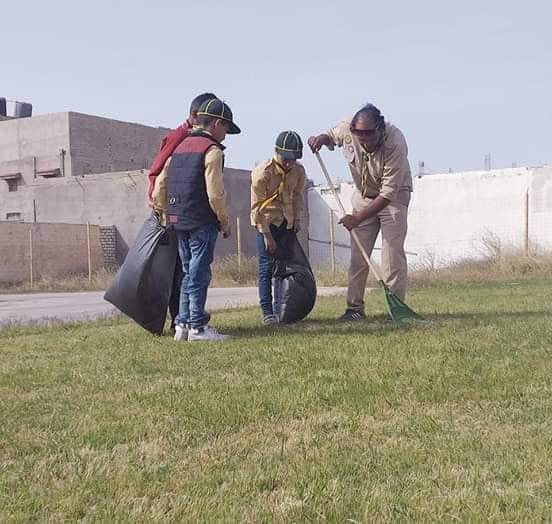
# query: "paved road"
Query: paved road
{"points": [[66, 307]]}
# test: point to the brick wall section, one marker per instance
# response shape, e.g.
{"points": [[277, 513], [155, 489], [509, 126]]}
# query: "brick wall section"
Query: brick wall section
{"points": [[108, 242], [58, 249], [101, 145]]}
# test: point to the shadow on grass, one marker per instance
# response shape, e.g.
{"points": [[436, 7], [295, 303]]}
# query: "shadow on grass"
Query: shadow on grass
{"points": [[321, 326], [380, 324]]}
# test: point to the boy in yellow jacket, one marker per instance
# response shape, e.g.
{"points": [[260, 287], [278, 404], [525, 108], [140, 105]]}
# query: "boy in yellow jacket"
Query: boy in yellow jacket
{"points": [[277, 196]]}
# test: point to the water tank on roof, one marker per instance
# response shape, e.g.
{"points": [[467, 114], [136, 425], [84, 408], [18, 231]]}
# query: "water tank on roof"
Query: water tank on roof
{"points": [[23, 110], [3, 107]]}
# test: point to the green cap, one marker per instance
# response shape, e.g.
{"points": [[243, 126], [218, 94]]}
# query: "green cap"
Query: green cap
{"points": [[218, 109], [289, 145]]}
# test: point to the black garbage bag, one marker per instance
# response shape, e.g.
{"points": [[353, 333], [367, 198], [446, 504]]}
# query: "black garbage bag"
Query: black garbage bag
{"points": [[294, 283], [142, 286]]}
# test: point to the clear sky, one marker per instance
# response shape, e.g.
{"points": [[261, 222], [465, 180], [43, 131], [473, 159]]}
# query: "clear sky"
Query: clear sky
{"points": [[460, 79]]}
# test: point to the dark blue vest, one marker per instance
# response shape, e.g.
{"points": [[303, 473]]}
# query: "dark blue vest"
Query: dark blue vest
{"points": [[188, 203]]}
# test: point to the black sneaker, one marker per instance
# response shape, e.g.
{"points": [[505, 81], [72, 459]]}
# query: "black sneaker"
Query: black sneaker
{"points": [[351, 315], [270, 320]]}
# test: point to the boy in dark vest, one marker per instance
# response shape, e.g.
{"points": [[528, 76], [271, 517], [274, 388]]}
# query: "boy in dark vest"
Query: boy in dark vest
{"points": [[157, 190], [197, 211], [277, 193]]}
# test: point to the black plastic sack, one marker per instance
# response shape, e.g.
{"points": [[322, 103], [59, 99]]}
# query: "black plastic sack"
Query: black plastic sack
{"points": [[142, 286], [294, 281]]}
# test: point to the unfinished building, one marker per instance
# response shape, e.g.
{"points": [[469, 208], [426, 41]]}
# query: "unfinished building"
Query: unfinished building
{"points": [[72, 168]]}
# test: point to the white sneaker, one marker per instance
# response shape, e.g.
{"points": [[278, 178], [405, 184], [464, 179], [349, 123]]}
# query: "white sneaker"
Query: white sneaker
{"points": [[180, 333], [205, 333]]}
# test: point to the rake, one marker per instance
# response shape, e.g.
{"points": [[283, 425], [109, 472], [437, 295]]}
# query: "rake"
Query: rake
{"points": [[398, 311]]}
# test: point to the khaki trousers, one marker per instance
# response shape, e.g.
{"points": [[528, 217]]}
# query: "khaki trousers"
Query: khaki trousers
{"points": [[392, 221]]}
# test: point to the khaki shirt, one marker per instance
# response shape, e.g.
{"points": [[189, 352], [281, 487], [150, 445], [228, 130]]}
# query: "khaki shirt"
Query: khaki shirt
{"points": [[387, 170], [213, 180], [287, 205]]}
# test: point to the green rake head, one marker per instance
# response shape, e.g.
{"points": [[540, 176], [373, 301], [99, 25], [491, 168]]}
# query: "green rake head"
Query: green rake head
{"points": [[399, 312]]}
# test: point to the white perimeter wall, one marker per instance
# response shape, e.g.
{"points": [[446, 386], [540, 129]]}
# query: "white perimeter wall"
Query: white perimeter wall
{"points": [[454, 216]]}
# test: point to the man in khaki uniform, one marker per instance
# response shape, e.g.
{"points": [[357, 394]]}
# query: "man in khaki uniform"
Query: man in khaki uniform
{"points": [[277, 193], [377, 155]]}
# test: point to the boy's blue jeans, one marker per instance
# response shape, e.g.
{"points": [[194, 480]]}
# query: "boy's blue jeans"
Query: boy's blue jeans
{"points": [[196, 249], [266, 268]]}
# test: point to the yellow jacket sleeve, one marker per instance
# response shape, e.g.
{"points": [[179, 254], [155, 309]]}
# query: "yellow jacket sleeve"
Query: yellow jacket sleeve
{"points": [[215, 186]]}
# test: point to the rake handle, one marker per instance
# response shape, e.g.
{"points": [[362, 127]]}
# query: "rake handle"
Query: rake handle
{"points": [[365, 255]]}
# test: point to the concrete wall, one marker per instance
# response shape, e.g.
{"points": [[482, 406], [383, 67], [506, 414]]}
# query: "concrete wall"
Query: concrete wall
{"points": [[75, 144], [102, 145], [455, 216], [320, 203], [57, 250], [28, 145], [118, 199], [540, 209]]}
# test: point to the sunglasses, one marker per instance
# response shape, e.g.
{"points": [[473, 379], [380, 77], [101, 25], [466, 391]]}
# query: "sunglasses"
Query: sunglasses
{"points": [[366, 133]]}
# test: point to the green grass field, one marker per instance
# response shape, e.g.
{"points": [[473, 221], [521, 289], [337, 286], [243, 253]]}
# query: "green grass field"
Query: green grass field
{"points": [[319, 422]]}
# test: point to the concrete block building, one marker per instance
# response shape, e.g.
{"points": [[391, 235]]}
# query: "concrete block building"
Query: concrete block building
{"points": [[40, 148], [73, 168]]}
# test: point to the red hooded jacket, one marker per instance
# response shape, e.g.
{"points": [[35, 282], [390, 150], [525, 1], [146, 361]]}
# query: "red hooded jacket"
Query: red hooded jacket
{"points": [[169, 143]]}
